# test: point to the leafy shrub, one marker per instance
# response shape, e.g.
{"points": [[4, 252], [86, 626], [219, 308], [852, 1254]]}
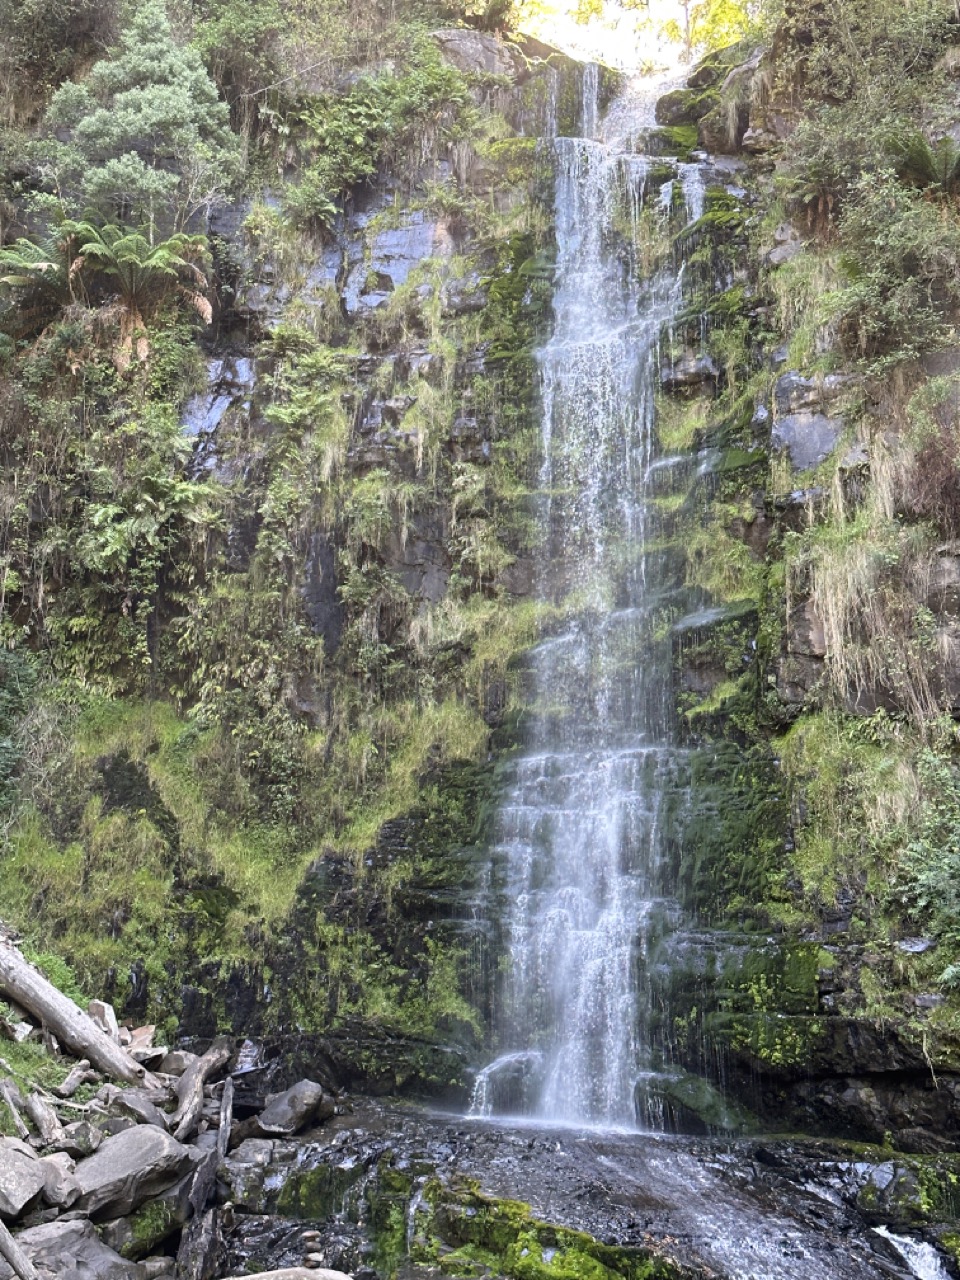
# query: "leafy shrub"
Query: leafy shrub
{"points": [[347, 137], [145, 132], [901, 257], [46, 40], [17, 683]]}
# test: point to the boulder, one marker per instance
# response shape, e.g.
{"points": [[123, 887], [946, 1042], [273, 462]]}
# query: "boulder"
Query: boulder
{"points": [[788, 242], [290, 1111], [136, 1104], [244, 1171], [129, 1168], [71, 1251], [715, 136], [805, 631], [21, 1178], [299, 1273], [176, 1063], [79, 1139], [153, 1222], [943, 595], [105, 1017], [156, 1268], [690, 371], [680, 107], [705, 75], [794, 393], [60, 1186]]}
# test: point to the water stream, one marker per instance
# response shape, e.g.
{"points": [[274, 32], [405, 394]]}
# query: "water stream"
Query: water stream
{"points": [[581, 827]]}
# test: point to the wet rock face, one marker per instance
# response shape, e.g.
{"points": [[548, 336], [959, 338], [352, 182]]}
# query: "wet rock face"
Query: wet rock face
{"points": [[803, 428], [404, 1193]]}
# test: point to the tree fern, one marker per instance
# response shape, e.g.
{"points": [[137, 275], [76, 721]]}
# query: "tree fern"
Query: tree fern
{"points": [[43, 278], [927, 164], [145, 275]]}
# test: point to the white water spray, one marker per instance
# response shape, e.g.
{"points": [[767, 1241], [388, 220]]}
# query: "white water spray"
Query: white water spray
{"points": [[581, 828]]}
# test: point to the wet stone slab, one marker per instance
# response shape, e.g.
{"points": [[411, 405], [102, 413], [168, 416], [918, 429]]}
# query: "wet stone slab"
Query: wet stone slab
{"points": [[391, 1190]]}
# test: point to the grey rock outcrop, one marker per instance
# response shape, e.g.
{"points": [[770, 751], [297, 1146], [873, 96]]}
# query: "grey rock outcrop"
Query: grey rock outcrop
{"points": [[72, 1251], [477, 53], [21, 1177], [129, 1168], [60, 1187], [808, 421], [290, 1111]]}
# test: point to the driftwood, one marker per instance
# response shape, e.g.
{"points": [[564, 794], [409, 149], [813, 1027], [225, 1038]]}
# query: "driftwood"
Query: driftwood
{"points": [[226, 1118], [11, 1253], [80, 1074], [190, 1087], [63, 1018], [14, 1099], [44, 1119]]}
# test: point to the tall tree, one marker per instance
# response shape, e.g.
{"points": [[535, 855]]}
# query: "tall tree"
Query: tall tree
{"points": [[148, 141]]}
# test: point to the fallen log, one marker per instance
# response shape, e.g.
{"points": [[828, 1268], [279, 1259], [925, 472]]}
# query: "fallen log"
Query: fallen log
{"points": [[63, 1018], [12, 1096], [44, 1119], [190, 1087], [226, 1118], [11, 1253], [80, 1074]]}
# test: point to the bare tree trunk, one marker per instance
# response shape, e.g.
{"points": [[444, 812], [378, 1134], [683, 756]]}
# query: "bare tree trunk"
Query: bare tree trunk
{"points": [[80, 1074], [11, 1252], [44, 1118], [190, 1088], [13, 1098], [226, 1118], [66, 1020]]}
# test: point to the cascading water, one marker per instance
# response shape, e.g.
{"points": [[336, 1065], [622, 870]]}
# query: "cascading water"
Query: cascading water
{"points": [[581, 828]]}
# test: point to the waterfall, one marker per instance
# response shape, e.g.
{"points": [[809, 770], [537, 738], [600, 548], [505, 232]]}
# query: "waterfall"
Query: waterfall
{"points": [[581, 828]]}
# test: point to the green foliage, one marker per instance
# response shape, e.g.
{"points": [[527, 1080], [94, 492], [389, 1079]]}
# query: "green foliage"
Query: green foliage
{"points": [[345, 138], [901, 259], [240, 44], [56, 970], [707, 25], [145, 275], [928, 165], [145, 133], [41, 278], [46, 40], [928, 882], [865, 67], [104, 453], [17, 683]]}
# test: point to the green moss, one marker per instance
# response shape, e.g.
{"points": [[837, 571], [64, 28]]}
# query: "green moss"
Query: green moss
{"points": [[674, 140], [151, 1224], [504, 1236], [733, 834], [317, 1193]]}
